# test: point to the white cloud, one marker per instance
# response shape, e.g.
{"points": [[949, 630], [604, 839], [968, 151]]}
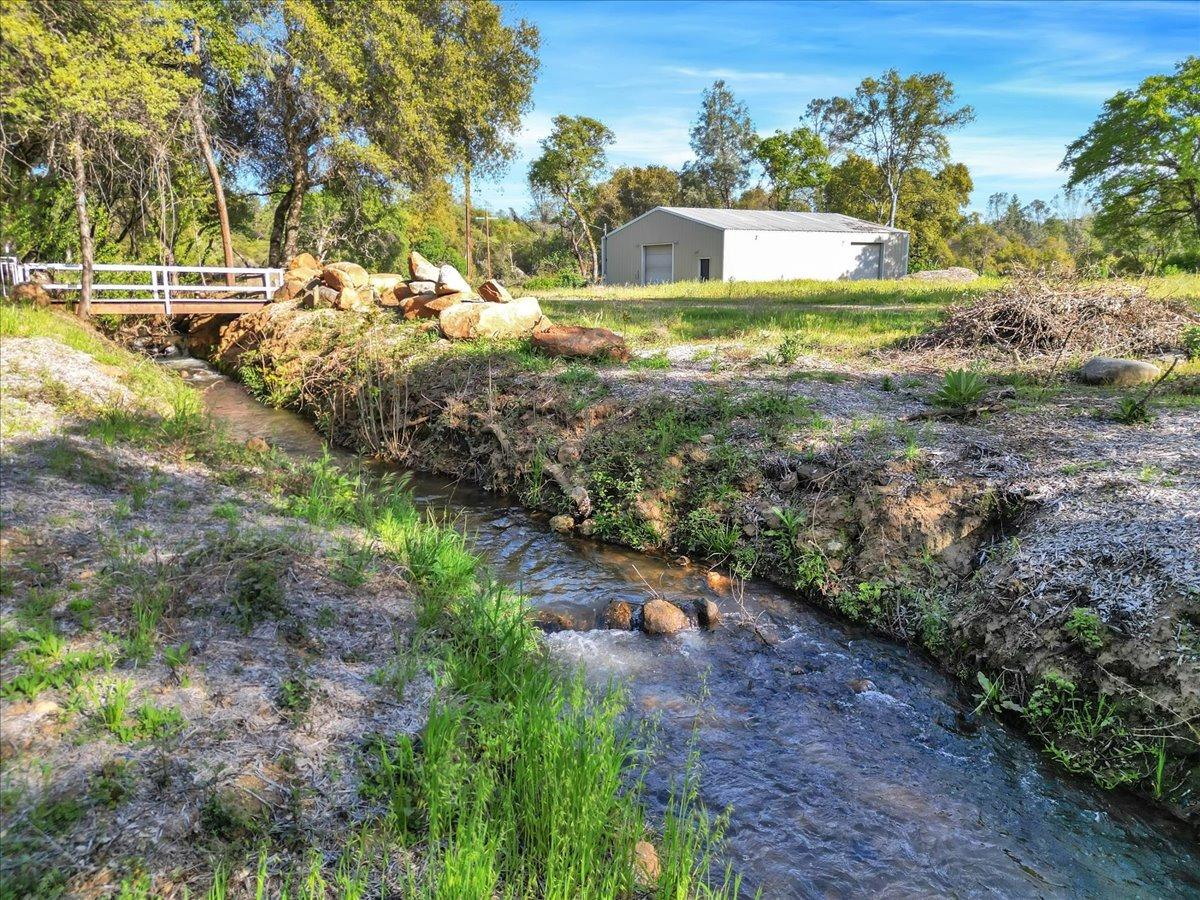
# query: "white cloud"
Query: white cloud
{"points": [[1011, 157]]}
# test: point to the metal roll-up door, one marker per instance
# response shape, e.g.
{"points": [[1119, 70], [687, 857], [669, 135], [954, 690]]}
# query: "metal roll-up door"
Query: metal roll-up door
{"points": [[657, 263]]}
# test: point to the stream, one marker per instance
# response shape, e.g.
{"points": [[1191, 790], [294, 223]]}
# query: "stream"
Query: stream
{"points": [[836, 787]]}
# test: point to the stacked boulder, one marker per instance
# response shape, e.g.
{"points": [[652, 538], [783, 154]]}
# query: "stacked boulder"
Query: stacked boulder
{"points": [[440, 292]]}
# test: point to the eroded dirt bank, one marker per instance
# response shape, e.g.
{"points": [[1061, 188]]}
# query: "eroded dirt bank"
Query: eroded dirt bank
{"points": [[1054, 552]]}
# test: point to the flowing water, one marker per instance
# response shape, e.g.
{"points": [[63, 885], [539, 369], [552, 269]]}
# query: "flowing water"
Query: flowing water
{"points": [[837, 788]]}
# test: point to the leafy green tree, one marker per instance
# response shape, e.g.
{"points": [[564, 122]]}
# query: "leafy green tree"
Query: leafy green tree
{"points": [[633, 190], [797, 165], [723, 141], [493, 68], [92, 88], [1141, 160], [899, 124], [573, 157]]}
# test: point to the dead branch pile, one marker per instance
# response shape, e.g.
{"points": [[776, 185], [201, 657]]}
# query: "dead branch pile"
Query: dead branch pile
{"points": [[1034, 312]]}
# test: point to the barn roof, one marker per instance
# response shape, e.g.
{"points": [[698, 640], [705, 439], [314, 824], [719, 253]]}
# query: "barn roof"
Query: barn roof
{"points": [[770, 220]]}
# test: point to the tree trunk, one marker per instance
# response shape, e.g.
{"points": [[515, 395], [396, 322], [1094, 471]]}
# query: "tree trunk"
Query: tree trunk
{"points": [[214, 173], [467, 207], [86, 251], [588, 234], [285, 229]]}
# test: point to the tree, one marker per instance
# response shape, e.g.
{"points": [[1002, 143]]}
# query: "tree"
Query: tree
{"points": [[797, 165], [494, 68], [900, 124], [723, 141], [94, 87], [346, 89], [573, 156], [1141, 158], [633, 190]]}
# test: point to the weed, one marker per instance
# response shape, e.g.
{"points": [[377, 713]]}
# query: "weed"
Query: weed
{"points": [[654, 362], [577, 375], [959, 389], [232, 819], [228, 511], [1132, 411], [326, 617], [258, 592], [1191, 342], [112, 783], [789, 349], [994, 696], [296, 695], [1085, 628], [352, 562]]}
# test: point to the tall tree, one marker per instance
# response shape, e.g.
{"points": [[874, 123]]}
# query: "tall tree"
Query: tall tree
{"points": [[573, 157], [494, 68], [633, 190], [723, 141], [94, 87], [797, 165], [345, 88], [1141, 157], [899, 123]]}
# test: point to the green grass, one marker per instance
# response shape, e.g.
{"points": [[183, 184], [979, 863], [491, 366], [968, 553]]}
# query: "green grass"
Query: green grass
{"points": [[836, 317]]}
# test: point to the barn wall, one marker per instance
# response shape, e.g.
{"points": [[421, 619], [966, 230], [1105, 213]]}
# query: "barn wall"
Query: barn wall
{"points": [[772, 255], [692, 240]]}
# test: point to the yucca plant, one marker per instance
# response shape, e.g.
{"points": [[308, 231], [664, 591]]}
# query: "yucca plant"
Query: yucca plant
{"points": [[960, 388]]}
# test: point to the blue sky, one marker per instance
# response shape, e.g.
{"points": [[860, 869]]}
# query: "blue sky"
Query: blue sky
{"points": [[1036, 73]]}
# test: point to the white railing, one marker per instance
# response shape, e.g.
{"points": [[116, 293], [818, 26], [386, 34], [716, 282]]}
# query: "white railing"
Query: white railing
{"points": [[165, 282]]}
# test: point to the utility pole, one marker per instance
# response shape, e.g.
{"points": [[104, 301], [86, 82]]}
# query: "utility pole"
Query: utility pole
{"points": [[486, 218]]}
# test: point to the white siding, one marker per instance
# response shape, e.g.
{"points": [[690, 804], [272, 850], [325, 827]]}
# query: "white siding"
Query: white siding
{"points": [[772, 255], [690, 240]]}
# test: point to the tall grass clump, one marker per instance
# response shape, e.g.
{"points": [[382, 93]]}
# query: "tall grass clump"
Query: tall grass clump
{"points": [[525, 781]]}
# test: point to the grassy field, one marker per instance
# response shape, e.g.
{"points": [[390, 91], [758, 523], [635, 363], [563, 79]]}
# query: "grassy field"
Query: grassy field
{"points": [[837, 318]]}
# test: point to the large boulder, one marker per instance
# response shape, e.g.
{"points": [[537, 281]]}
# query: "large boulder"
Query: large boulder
{"points": [[663, 617], [303, 261], [494, 292], [466, 321], [384, 283], [425, 306], [341, 275], [31, 292], [420, 268], [450, 281], [586, 343], [1117, 372], [351, 300]]}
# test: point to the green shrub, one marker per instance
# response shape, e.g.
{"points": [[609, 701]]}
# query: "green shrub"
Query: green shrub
{"points": [[1191, 342]]}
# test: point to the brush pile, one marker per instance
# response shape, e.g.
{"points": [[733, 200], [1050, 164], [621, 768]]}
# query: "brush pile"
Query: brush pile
{"points": [[1035, 313]]}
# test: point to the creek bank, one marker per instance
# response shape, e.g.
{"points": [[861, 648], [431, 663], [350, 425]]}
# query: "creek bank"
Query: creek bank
{"points": [[974, 540]]}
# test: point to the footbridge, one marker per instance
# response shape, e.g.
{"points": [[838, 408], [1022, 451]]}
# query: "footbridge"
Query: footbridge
{"points": [[149, 290]]}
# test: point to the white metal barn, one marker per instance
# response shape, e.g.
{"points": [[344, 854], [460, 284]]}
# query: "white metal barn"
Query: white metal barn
{"points": [[672, 243]]}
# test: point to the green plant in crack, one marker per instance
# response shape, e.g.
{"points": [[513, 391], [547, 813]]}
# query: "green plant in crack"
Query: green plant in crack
{"points": [[1085, 628]]}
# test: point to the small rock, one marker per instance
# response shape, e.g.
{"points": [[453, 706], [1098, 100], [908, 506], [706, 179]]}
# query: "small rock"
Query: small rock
{"points": [[258, 445], [698, 455], [708, 438], [862, 685], [552, 621], [384, 283], [587, 527], [619, 615], [420, 268], [771, 517], [788, 482], [569, 453], [719, 582], [646, 867], [750, 529], [494, 292], [342, 275], [1117, 372], [708, 613], [563, 524], [662, 617]]}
